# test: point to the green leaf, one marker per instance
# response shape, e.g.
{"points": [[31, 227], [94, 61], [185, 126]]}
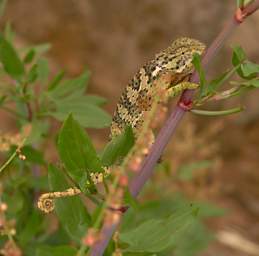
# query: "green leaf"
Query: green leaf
{"points": [[249, 69], [10, 59], [38, 49], [71, 212], [87, 114], [69, 88], [118, 147], [33, 74], [195, 240], [61, 250], [130, 200], [8, 32], [55, 82], [238, 56], [29, 56], [32, 227], [207, 209], [33, 155], [254, 83], [43, 70], [38, 132], [77, 152], [95, 100], [156, 235], [197, 64]]}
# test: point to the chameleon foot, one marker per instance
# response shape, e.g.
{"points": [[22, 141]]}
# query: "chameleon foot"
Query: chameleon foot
{"points": [[185, 105]]}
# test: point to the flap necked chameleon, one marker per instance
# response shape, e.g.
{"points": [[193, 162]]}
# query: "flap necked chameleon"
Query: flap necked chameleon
{"points": [[169, 70], [174, 64]]}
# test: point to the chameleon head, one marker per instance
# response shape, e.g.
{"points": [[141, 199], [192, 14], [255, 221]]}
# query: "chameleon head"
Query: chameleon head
{"points": [[180, 54]]}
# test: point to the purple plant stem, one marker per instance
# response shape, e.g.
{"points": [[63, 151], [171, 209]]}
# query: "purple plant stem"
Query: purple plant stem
{"points": [[170, 126]]}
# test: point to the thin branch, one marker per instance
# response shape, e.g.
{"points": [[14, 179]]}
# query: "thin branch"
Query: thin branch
{"points": [[172, 122]]}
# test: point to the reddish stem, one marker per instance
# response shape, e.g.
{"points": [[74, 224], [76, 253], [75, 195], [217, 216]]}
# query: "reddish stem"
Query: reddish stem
{"points": [[174, 119]]}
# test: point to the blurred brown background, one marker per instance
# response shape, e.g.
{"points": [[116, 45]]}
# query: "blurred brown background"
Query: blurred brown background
{"points": [[114, 38]]}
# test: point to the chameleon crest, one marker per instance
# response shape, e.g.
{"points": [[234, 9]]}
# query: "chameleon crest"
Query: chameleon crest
{"points": [[138, 96]]}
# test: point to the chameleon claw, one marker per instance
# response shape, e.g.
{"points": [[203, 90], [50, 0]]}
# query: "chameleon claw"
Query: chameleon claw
{"points": [[185, 105]]}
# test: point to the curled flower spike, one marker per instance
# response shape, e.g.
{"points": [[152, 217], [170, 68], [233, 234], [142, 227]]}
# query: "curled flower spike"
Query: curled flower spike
{"points": [[46, 201]]}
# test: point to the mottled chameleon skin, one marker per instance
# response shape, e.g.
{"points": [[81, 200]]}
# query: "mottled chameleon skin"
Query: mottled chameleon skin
{"points": [[137, 97]]}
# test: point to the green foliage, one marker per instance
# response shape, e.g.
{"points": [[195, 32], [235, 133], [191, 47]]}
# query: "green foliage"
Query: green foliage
{"points": [[118, 147], [71, 211], [197, 64], [10, 59], [77, 153], [31, 97], [245, 69], [34, 98], [68, 97], [167, 225], [56, 251]]}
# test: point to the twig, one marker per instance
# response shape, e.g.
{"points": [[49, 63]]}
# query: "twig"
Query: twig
{"points": [[10, 159], [172, 122]]}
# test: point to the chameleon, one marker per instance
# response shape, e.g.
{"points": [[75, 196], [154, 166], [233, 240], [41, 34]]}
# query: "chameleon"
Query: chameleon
{"points": [[174, 63], [169, 70]]}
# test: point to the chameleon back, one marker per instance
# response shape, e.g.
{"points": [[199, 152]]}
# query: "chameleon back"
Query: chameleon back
{"points": [[137, 97]]}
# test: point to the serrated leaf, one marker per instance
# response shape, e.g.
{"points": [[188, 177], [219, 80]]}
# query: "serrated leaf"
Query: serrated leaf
{"points": [[118, 147], [71, 212], [156, 235], [76, 151], [10, 59], [61, 250], [87, 114]]}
